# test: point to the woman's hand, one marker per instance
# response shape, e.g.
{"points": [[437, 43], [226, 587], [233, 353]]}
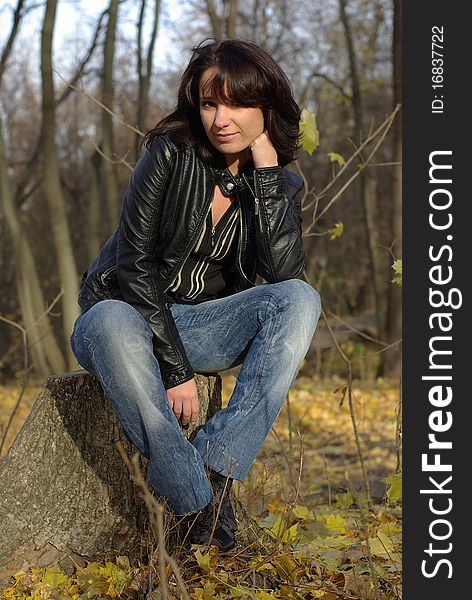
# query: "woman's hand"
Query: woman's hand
{"points": [[183, 400], [263, 152]]}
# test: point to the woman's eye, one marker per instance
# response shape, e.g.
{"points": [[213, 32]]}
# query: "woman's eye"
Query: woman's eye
{"points": [[206, 104]]}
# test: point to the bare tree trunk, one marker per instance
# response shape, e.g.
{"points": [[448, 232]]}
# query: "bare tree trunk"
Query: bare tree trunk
{"points": [[65, 494], [145, 74], [52, 187], [231, 19], [215, 20], [224, 24], [46, 355], [378, 264], [94, 210], [11, 38], [109, 168], [367, 197], [42, 344], [393, 359]]}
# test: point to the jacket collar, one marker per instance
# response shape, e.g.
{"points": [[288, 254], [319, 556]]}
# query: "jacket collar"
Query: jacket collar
{"points": [[231, 184]]}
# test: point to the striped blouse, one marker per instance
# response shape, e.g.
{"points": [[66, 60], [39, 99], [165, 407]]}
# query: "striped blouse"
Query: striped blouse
{"points": [[208, 271]]}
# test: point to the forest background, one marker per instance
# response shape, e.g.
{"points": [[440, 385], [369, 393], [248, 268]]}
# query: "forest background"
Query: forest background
{"points": [[80, 81]]}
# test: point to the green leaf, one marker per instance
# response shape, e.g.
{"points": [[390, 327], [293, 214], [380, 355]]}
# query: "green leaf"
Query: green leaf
{"points": [[309, 130], [262, 595], [203, 560], [344, 500], [382, 545], [397, 267], [394, 492], [336, 231], [303, 513], [53, 577], [335, 157], [336, 523], [291, 534]]}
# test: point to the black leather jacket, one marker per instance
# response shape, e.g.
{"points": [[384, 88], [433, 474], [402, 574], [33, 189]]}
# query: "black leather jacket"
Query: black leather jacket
{"points": [[167, 200]]}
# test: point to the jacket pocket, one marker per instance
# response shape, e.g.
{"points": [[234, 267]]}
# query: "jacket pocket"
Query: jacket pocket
{"points": [[109, 285]]}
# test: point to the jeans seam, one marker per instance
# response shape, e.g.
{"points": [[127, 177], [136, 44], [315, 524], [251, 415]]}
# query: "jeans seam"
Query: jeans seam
{"points": [[217, 449]]}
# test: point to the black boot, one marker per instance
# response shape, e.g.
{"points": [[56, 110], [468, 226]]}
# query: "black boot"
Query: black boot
{"points": [[221, 486], [202, 524]]}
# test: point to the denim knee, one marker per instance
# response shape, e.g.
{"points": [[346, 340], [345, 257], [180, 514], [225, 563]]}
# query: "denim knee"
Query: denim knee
{"points": [[297, 295], [112, 329]]}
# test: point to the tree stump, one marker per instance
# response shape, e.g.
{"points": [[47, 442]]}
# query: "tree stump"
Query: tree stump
{"points": [[66, 496]]}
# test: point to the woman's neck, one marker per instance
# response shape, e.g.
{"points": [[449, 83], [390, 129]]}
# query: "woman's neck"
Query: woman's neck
{"points": [[235, 162]]}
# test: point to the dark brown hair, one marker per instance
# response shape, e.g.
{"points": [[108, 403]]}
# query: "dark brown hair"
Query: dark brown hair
{"points": [[244, 75]]}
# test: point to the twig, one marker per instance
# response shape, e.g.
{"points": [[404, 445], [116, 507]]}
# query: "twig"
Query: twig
{"points": [[120, 159], [359, 170], [367, 538], [398, 429], [327, 479], [101, 105], [156, 511], [286, 456], [300, 469], [220, 503], [360, 333], [382, 130], [356, 435], [351, 409], [290, 441], [333, 337], [365, 356], [24, 381], [24, 331], [357, 152], [178, 576], [162, 547]]}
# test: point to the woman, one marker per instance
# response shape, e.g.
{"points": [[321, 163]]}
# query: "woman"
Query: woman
{"points": [[208, 207]]}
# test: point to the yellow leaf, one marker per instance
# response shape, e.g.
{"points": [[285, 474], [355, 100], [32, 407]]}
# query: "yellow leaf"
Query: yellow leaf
{"points": [[336, 523], [398, 268], [239, 592], [309, 130], [391, 530], [203, 560], [276, 505], [335, 157], [291, 534], [265, 595], [336, 231], [286, 568], [53, 577], [303, 513], [382, 545]]}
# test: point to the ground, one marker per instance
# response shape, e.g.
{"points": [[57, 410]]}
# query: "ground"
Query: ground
{"points": [[327, 538]]}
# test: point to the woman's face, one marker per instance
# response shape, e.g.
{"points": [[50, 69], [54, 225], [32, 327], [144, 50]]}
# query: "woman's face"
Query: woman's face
{"points": [[231, 129]]}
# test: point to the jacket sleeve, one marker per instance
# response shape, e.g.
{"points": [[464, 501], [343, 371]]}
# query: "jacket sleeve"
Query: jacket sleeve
{"points": [[136, 263], [280, 253]]}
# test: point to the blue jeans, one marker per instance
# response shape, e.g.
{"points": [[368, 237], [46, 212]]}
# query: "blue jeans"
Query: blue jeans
{"points": [[268, 329]]}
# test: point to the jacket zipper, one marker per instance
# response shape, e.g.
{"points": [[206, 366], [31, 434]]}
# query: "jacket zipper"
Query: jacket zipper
{"points": [[195, 237], [240, 245], [259, 216], [105, 274], [254, 193]]}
